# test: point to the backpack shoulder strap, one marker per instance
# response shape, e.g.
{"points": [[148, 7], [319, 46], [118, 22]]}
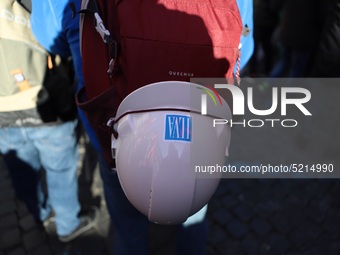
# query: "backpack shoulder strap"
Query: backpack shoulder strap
{"points": [[91, 7], [27, 4]]}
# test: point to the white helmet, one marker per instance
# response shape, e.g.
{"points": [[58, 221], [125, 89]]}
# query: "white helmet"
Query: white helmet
{"points": [[163, 139]]}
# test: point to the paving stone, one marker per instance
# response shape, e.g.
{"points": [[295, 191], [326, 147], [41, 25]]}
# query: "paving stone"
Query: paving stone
{"points": [[33, 238], [265, 209], [336, 188], [324, 186], [312, 230], [299, 238], [297, 201], [325, 243], [280, 223], [241, 197], [281, 189], [251, 184], [221, 190], [312, 189], [3, 169], [211, 251], [315, 213], [334, 248], [235, 186], [216, 236], [265, 249], [214, 204], [330, 225], [8, 221], [7, 194], [21, 209], [266, 184], [43, 249], [5, 185], [27, 222], [237, 228], [243, 212], [251, 196], [260, 226], [17, 251], [230, 200], [294, 216], [230, 247], [312, 251], [279, 244], [10, 239], [325, 203], [293, 253], [8, 207], [251, 245], [222, 216]]}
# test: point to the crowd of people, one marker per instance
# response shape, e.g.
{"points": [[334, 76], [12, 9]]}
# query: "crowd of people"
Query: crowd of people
{"points": [[295, 39]]}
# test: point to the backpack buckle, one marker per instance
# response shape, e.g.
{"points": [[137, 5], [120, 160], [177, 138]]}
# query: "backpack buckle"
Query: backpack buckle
{"points": [[101, 29]]}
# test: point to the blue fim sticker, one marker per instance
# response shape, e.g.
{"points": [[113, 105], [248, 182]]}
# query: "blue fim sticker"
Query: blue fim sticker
{"points": [[178, 128]]}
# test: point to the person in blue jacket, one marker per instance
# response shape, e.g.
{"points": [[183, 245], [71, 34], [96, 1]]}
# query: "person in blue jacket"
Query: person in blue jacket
{"points": [[57, 30]]}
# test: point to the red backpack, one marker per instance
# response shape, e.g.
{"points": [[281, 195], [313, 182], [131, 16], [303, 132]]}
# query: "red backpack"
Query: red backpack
{"points": [[147, 41]]}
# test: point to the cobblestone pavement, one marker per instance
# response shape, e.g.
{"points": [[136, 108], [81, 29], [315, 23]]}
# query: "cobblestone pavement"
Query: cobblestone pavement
{"points": [[282, 216]]}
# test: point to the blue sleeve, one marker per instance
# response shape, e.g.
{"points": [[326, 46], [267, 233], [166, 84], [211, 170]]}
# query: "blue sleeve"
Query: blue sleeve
{"points": [[58, 32], [47, 25], [246, 11]]}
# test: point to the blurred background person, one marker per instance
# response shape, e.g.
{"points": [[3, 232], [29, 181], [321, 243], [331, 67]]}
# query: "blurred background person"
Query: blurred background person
{"points": [[326, 62], [266, 18], [297, 36], [42, 137]]}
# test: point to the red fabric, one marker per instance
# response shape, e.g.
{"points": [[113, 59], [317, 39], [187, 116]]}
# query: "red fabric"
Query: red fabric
{"points": [[157, 37]]}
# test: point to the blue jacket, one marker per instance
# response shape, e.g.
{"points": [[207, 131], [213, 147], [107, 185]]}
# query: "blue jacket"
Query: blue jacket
{"points": [[246, 11], [57, 31]]}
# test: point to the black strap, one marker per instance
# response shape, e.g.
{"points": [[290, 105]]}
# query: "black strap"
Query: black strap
{"points": [[113, 45], [27, 4]]}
